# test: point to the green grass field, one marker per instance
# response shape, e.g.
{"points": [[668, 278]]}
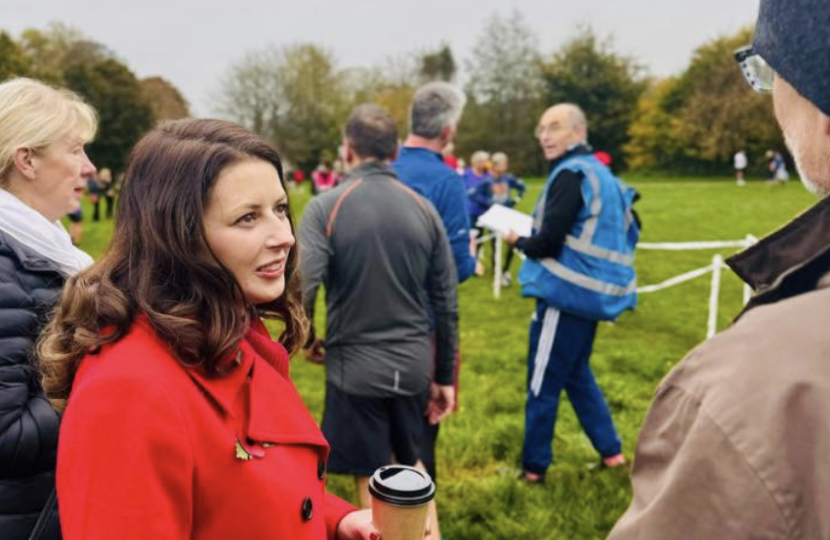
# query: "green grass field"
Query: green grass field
{"points": [[479, 448]]}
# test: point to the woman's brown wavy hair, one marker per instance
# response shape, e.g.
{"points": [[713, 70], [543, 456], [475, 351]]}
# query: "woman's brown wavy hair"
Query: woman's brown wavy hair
{"points": [[160, 264]]}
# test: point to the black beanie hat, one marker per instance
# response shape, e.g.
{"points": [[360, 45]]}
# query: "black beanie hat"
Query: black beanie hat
{"points": [[793, 36]]}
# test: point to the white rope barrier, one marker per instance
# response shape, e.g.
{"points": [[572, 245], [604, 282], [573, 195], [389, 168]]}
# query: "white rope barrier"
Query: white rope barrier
{"points": [[716, 267], [675, 280], [497, 266], [683, 246]]}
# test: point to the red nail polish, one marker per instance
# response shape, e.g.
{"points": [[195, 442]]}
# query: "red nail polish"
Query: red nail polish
{"points": [[374, 536]]}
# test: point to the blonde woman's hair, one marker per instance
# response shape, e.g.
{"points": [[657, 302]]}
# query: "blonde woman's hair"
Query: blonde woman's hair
{"points": [[35, 115]]}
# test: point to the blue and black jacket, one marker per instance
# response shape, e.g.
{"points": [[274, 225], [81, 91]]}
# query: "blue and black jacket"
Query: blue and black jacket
{"points": [[581, 253]]}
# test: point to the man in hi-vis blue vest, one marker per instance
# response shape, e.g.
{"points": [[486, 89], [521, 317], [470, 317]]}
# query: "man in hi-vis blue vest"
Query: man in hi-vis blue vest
{"points": [[580, 268]]}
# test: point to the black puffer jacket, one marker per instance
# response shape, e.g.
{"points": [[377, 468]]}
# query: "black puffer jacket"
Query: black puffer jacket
{"points": [[29, 288]]}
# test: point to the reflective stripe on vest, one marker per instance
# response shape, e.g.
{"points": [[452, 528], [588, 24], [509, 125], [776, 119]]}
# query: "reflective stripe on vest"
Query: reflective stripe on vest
{"points": [[596, 204], [584, 243], [586, 247], [593, 275], [592, 284]]}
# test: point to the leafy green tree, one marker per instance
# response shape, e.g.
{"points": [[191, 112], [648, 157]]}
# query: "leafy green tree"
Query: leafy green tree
{"points": [[438, 65], [123, 111], [63, 56], [396, 99], [317, 108], [719, 113], [165, 99], [652, 143], [13, 62], [394, 85], [251, 92], [52, 51], [504, 91], [604, 84], [695, 123], [292, 96]]}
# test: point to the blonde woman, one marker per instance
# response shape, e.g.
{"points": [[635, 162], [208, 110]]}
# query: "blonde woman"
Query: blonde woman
{"points": [[43, 170]]}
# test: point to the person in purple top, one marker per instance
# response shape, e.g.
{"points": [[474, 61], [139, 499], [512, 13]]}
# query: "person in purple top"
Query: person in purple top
{"points": [[498, 189], [474, 176]]}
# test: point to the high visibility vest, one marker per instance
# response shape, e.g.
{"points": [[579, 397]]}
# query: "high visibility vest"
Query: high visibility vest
{"points": [[593, 276]]}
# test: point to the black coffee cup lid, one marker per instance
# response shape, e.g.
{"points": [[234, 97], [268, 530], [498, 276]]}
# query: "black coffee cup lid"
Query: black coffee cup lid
{"points": [[401, 485]]}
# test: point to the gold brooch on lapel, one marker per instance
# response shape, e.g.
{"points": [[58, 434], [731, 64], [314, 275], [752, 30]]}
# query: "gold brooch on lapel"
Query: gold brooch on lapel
{"points": [[245, 452]]}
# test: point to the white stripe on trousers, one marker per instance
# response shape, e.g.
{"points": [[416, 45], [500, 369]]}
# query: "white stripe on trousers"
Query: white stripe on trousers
{"points": [[543, 348]]}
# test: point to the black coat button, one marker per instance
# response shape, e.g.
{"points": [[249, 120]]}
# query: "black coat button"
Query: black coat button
{"points": [[321, 469], [308, 509]]}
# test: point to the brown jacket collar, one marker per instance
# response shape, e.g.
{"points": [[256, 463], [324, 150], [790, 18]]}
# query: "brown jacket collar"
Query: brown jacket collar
{"points": [[790, 261]]}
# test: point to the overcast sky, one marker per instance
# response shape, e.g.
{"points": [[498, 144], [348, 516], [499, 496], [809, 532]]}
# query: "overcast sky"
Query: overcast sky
{"points": [[192, 43]]}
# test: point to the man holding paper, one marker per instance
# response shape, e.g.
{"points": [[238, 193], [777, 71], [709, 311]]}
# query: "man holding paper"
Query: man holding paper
{"points": [[579, 267]]}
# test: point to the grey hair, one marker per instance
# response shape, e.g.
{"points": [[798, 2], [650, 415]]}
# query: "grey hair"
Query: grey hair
{"points": [[479, 155], [436, 105], [498, 157]]}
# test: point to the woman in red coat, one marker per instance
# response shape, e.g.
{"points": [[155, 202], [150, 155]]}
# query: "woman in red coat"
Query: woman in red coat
{"points": [[182, 422]]}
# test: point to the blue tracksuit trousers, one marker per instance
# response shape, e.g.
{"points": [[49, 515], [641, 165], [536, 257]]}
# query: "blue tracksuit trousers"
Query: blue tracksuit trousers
{"points": [[560, 347]]}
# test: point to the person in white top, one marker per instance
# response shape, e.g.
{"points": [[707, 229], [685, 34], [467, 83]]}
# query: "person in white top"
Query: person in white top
{"points": [[740, 166]]}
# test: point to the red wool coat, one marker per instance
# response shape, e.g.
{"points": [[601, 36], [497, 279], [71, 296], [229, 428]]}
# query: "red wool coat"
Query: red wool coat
{"points": [[148, 448]]}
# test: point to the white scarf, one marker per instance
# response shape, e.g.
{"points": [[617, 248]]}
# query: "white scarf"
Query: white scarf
{"points": [[33, 230]]}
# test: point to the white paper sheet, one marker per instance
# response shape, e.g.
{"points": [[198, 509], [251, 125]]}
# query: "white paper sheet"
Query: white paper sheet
{"points": [[503, 220]]}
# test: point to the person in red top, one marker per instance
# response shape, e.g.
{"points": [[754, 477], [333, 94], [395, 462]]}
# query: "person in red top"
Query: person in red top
{"points": [[449, 157], [604, 158], [181, 421], [322, 179]]}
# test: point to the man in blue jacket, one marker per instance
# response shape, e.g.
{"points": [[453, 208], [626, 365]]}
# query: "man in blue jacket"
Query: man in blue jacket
{"points": [[436, 111], [579, 267]]}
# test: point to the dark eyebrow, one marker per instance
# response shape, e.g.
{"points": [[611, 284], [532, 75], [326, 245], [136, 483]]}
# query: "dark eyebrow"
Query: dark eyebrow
{"points": [[244, 208], [257, 206]]}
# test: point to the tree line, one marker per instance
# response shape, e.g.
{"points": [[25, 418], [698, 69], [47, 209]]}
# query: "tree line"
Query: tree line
{"points": [[127, 106], [298, 97]]}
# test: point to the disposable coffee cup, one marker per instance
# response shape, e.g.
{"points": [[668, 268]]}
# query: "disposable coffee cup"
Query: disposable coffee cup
{"points": [[400, 501]]}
